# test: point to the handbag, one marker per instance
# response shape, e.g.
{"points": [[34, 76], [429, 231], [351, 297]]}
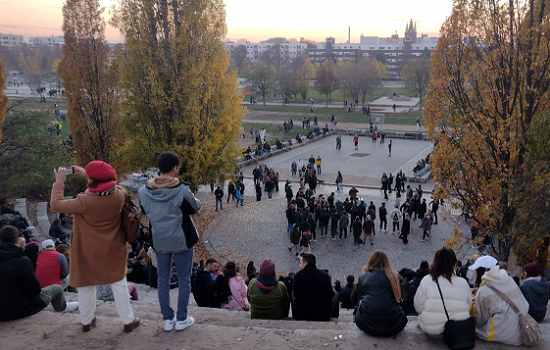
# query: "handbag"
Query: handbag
{"points": [[458, 335], [530, 330], [129, 220]]}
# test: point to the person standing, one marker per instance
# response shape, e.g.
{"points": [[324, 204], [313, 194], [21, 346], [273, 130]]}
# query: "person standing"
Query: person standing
{"points": [[318, 163], [368, 230], [356, 142], [435, 206], [406, 229], [396, 218], [384, 181], [168, 204], [339, 180], [382, 212], [98, 246], [230, 190], [219, 197], [343, 225], [258, 188], [389, 149], [270, 186], [426, 225]]}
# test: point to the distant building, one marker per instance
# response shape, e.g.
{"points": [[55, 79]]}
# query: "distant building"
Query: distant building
{"points": [[11, 40], [53, 40], [394, 51], [288, 51]]}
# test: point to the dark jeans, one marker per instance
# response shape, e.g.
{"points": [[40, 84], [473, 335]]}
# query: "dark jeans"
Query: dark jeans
{"points": [[385, 222], [345, 231], [395, 225]]}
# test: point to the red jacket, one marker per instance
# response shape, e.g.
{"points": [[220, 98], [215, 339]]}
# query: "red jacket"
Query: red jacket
{"points": [[48, 268]]}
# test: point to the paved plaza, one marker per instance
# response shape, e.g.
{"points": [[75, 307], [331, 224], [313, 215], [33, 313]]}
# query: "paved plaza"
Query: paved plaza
{"points": [[258, 230]]}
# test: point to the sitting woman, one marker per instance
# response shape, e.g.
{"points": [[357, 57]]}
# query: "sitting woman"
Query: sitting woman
{"points": [[455, 290], [237, 300], [268, 296], [379, 293]]}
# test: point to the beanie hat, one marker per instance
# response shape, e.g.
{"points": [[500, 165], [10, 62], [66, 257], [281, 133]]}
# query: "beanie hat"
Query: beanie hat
{"points": [[47, 244], [267, 267], [99, 170], [532, 269]]}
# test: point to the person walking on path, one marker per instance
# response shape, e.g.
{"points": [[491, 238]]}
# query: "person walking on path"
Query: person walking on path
{"points": [[356, 142], [426, 225], [258, 188], [219, 197], [368, 230], [168, 204], [239, 196], [384, 181], [382, 212], [98, 246], [389, 149], [339, 180], [338, 142]]}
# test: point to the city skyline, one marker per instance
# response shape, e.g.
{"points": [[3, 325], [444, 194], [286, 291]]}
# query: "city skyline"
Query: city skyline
{"points": [[289, 19]]}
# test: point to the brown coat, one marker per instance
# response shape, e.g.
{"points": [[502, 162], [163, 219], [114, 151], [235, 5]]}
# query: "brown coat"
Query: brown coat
{"points": [[98, 246]]}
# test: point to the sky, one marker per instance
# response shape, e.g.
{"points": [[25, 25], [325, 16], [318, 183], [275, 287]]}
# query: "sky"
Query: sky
{"points": [[260, 20]]}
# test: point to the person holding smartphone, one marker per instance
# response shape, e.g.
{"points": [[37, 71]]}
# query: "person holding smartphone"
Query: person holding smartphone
{"points": [[98, 245]]}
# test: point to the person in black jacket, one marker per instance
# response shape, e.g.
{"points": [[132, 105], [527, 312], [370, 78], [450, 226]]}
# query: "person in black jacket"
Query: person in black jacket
{"points": [[379, 294], [345, 294], [383, 213], [312, 291], [207, 285], [20, 289]]}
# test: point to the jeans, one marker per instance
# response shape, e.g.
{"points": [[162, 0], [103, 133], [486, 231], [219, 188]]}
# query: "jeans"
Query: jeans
{"points": [[345, 231], [318, 169], [219, 200], [339, 187], [289, 228], [239, 200], [184, 264], [270, 194]]}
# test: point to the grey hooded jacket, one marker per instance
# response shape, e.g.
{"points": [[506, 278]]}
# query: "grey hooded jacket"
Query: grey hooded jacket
{"points": [[168, 211]]}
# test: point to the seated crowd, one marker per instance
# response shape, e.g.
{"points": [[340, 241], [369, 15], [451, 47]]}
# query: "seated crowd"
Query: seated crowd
{"points": [[381, 299]]}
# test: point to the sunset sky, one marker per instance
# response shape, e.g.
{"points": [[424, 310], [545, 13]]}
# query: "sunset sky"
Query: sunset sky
{"points": [[260, 20]]}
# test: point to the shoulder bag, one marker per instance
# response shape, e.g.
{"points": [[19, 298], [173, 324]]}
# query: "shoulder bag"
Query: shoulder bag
{"points": [[530, 330], [458, 335], [129, 220]]}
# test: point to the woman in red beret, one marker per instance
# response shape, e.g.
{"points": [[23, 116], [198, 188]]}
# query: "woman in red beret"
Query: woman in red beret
{"points": [[98, 246]]}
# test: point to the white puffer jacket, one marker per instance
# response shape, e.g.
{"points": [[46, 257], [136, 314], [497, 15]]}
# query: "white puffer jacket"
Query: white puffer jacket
{"points": [[428, 304]]}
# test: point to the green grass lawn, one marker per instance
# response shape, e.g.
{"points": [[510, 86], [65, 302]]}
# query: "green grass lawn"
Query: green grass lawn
{"points": [[336, 96], [34, 103]]}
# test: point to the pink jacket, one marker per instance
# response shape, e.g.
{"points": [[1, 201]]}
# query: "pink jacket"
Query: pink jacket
{"points": [[237, 301]]}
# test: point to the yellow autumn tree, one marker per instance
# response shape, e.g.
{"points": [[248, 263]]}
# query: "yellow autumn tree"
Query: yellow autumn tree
{"points": [[3, 99], [90, 82], [490, 76], [177, 93]]}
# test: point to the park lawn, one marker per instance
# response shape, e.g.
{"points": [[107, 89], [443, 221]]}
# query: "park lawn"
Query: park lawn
{"points": [[272, 131], [280, 113], [337, 96], [33, 103]]}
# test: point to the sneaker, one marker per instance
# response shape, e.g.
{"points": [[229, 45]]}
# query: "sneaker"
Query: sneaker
{"points": [[169, 324], [71, 306], [181, 325], [421, 240], [314, 240]]}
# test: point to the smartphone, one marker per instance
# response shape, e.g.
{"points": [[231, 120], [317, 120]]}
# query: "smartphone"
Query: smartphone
{"points": [[69, 171]]}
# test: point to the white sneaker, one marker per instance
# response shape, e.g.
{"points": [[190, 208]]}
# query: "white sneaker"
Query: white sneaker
{"points": [[169, 324], [71, 306], [181, 325], [421, 240]]}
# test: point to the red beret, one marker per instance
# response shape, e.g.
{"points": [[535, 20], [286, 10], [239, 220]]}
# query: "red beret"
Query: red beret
{"points": [[99, 170]]}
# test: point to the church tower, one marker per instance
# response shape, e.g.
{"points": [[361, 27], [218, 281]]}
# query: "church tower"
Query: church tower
{"points": [[410, 32]]}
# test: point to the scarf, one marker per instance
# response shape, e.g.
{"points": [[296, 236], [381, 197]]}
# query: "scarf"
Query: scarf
{"points": [[267, 284], [163, 182], [102, 187]]}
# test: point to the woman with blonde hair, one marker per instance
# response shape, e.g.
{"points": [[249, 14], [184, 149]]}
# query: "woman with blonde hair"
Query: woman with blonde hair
{"points": [[378, 289]]}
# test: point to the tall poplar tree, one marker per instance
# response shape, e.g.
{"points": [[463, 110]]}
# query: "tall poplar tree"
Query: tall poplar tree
{"points": [[490, 77], [90, 82], [3, 99], [177, 92]]}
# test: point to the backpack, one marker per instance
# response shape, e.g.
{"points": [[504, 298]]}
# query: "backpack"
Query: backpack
{"points": [[295, 236]]}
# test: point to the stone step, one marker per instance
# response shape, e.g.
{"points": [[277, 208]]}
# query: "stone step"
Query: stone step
{"points": [[42, 218]]}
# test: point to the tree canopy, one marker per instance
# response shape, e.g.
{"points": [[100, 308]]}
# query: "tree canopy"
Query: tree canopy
{"points": [[177, 93], [416, 74], [490, 78], [326, 79], [90, 82]]}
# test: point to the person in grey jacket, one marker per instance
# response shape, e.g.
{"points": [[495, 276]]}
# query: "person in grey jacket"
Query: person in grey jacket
{"points": [[168, 204], [343, 224]]}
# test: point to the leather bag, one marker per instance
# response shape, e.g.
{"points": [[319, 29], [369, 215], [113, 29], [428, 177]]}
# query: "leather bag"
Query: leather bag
{"points": [[458, 335], [129, 220]]}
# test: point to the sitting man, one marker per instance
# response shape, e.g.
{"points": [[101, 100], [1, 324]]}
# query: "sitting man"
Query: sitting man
{"points": [[51, 266], [20, 289], [268, 297], [207, 284], [312, 292], [56, 230], [345, 293]]}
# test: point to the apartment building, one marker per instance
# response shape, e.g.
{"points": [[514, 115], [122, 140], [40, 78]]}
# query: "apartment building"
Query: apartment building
{"points": [[287, 50], [11, 39], [47, 40]]}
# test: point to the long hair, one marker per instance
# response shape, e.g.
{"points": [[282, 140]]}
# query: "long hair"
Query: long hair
{"points": [[379, 261], [444, 264]]}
